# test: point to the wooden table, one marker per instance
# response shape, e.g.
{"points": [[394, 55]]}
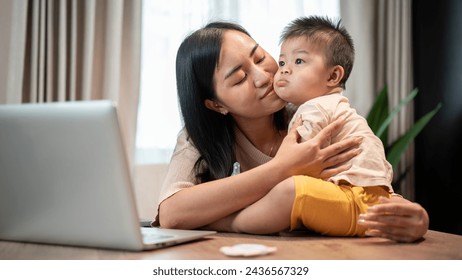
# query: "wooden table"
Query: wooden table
{"points": [[434, 246]]}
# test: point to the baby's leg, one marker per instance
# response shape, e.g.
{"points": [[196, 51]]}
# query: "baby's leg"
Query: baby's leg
{"points": [[331, 209], [324, 207], [270, 214]]}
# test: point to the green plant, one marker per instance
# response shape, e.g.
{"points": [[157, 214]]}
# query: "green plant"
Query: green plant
{"points": [[379, 118]]}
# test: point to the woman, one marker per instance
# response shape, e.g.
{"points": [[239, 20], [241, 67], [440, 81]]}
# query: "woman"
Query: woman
{"points": [[231, 114]]}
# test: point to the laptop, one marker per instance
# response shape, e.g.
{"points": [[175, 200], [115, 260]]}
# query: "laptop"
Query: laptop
{"points": [[64, 179]]}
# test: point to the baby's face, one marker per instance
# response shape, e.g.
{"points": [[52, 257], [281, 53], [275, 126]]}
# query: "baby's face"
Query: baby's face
{"points": [[302, 73]]}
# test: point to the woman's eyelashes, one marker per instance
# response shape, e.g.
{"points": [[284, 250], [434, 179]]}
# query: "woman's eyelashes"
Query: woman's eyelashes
{"points": [[258, 60], [242, 80], [261, 59]]}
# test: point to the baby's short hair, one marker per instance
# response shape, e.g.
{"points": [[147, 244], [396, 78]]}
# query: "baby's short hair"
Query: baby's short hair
{"points": [[330, 35]]}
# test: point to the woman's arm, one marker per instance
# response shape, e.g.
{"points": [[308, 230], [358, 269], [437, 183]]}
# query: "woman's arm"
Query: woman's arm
{"points": [[396, 219], [205, 203]]}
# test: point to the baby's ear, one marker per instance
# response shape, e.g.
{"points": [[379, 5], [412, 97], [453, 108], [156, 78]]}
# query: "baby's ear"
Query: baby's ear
{"points": [[336, 75]]}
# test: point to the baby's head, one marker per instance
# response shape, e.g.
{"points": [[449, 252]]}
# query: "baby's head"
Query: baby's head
{"points": [[316, 51]]}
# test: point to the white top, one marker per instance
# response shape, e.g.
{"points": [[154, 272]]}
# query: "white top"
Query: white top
{"points": [[181, 174]]}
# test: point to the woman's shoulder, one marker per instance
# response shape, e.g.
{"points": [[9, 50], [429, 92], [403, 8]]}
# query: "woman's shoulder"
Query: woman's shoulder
{"points": [[184, 146], [181, 167], [183, 141]]}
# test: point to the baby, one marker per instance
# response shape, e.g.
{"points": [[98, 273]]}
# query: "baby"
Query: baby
{"points": [[315, 61]]}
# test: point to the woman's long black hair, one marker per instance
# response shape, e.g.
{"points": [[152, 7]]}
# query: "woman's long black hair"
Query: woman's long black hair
{"points": [[210, 132]]}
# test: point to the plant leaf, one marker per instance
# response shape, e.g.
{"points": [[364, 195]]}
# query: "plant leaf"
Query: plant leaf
{"points": [[400, 145], [395, 111], [378, 113], [379, 110]]}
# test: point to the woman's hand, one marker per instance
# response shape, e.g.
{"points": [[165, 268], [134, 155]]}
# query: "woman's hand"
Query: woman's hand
{"points": [[312, 158], [397, 219]]}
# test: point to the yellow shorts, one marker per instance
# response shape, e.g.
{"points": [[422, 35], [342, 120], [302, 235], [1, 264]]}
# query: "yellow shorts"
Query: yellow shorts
{"points": [[329, 209]]}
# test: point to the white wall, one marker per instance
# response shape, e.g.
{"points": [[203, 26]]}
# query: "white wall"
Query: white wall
{"points": [[148, 181]]}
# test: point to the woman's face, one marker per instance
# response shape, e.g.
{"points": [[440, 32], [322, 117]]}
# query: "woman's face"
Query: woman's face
{"points": [[244, 78]]}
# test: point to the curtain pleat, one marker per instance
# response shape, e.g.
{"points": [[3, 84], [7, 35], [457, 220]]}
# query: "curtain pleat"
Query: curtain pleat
{"points": [[72, 55], [113, 38], [88, 49], [129, 84], [34, 26], [389, 52], [41, 51], [62, 52], [50, 52], [398, 76], [13, 16]]}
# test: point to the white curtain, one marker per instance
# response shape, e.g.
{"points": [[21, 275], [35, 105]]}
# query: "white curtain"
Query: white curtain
{"points": [[381, 31], [66, 50]]}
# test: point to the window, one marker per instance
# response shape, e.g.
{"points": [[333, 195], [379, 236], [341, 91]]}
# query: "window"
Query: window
{"points": [[164, 26]]}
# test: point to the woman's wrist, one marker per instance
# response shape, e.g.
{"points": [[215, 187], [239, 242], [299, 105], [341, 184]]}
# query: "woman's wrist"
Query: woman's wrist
{"points": [[276, 171]]}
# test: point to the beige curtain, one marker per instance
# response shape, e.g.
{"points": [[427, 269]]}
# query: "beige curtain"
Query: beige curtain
{"points": [[66, 50], [381, 30], [12, 45]]}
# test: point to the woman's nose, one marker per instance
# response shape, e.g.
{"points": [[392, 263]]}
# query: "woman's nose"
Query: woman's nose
{"points": [[262, 78]]}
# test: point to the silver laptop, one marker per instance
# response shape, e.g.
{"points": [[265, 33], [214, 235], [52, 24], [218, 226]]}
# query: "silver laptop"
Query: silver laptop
{"points": [[64, 179]]}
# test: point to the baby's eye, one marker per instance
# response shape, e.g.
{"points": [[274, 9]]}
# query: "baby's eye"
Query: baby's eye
{"points": [[298, 61], [281, 63]]}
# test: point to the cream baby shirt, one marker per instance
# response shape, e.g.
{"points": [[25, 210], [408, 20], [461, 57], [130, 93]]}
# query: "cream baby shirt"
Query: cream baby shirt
{"points": [[370, 167]]}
